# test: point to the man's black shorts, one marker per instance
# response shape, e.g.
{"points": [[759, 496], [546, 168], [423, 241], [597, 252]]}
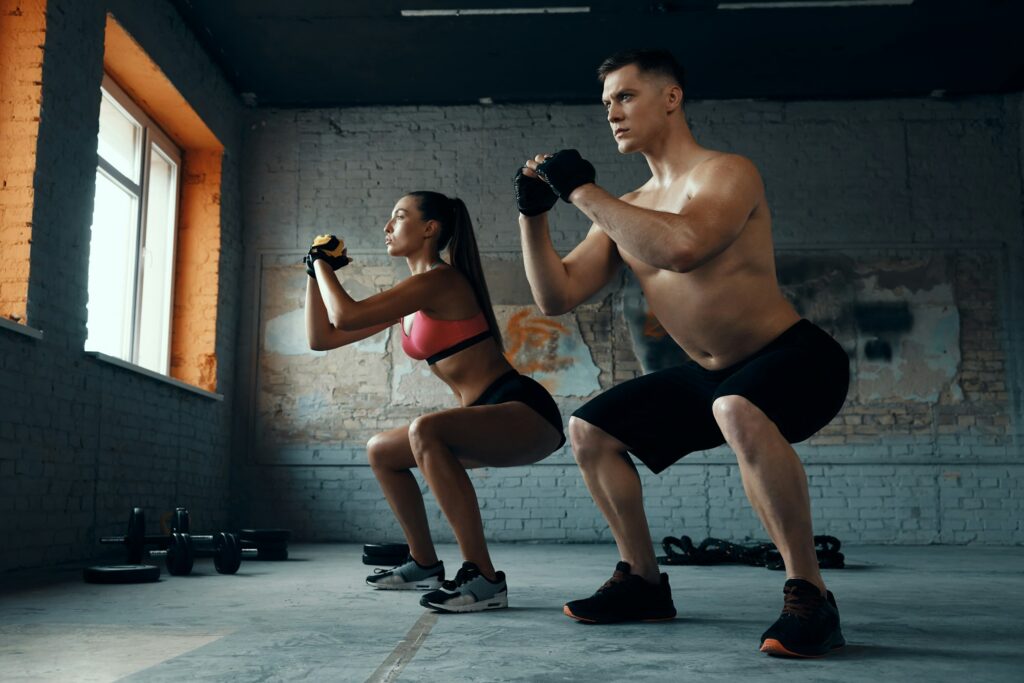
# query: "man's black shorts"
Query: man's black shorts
{"points": [[799, 380]]}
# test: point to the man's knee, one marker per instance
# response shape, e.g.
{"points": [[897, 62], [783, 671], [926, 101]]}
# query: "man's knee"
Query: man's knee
{"points": [[589, 442], [741, 421]]}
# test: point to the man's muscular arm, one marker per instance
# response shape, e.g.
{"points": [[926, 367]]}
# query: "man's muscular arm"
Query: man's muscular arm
{"points": [[559, 285], [725, 191]]}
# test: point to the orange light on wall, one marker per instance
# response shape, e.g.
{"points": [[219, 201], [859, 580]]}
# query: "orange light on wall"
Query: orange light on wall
{"points": [[196, 274], [22, 36]]}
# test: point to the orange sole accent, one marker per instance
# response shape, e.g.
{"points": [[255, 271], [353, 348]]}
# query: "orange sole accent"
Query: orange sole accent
{"points": [[567, 612], [773, 647]]}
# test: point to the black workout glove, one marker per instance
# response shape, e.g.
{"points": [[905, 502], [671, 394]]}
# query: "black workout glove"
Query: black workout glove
{"points": [[328, 248], [533, 195], [566, 170]]}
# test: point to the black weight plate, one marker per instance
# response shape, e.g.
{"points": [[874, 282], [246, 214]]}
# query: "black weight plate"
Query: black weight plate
{"points": [[121, 573], [262, 536], [236, 553], [385, 554], [227, 557], [180, 521], [384, 560], [135, 538], [386, 549], [179, 555], [273, 547], [272, 555]]}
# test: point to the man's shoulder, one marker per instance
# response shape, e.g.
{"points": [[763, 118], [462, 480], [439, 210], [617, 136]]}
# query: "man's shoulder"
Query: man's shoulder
{"points": [[724, 163]]}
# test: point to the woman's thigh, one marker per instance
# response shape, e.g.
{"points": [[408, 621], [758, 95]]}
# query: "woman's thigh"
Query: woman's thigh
{"points": [[500, 435]]}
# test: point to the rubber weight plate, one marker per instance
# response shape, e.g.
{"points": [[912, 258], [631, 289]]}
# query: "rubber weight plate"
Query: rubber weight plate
{"points": [[276, 555], [381, 554], [121, 573], [262, 536]]}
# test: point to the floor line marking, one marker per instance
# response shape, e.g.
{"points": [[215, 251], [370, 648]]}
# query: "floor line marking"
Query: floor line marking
{"points": [[403, 653]]}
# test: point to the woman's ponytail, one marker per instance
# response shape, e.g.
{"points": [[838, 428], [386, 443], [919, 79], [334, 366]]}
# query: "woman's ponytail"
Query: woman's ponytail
{"points": [[457, 235], [465, 256]]}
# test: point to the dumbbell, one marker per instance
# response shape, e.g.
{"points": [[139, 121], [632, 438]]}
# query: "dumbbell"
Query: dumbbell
{"points": [[176, 546], [135, 539], [179, 548], [223, 547]]}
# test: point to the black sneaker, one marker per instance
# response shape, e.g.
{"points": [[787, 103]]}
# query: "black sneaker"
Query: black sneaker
{"points": [[808, 626], [624, 597]]}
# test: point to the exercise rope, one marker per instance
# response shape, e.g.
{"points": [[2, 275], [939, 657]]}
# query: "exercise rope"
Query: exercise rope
{"points": [[716, 551]]}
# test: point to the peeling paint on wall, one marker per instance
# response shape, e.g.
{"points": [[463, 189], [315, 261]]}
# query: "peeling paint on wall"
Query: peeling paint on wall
{"points": [[550, 350], [654, 348], [896, 317], [304, 395], [412, 383], [286, 335]]}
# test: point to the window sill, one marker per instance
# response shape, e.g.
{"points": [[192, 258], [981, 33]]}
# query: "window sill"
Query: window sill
{"points": [[6, 324], [104, 358]]}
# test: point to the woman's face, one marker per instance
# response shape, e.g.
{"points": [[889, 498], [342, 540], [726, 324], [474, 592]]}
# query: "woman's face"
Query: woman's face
{"points": [[404, 233]]}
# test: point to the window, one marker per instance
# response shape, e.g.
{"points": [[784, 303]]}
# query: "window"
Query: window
{"points": [[131, 248]]}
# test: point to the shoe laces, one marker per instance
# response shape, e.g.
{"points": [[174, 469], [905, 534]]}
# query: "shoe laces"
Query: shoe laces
{"points": [[617, 579], [463, 576], [801, 602]]}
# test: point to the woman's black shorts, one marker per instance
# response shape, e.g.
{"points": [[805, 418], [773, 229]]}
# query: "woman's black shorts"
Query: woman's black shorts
{"points": [[515, 387], [799, 380]]}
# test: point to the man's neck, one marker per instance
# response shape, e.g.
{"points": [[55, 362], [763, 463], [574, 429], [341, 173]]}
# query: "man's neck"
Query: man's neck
{"points": [[674, 155]]}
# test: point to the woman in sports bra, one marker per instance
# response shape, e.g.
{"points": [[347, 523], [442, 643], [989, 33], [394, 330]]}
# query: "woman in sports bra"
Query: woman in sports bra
{"points": [[504, 419]]}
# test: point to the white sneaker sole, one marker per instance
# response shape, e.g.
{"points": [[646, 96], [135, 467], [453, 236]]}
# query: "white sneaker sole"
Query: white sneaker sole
{"points": [[499, 601], [427, 585]]}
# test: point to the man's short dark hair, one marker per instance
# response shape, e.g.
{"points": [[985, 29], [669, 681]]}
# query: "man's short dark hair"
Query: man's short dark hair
{"points": [[649, 61]]}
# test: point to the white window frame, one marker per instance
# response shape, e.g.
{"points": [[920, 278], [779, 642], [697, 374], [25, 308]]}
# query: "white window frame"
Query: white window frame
{"points": [[152, 136]]}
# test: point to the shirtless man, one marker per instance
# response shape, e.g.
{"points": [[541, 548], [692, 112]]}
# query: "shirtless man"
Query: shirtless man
{"points": [[697, 235]]}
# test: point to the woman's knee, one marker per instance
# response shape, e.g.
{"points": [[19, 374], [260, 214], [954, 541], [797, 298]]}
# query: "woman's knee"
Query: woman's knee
{"points": [[423, 431], [389, 451], [377, 451]]}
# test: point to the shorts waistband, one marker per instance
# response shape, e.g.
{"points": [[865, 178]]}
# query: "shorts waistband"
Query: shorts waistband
{"points": [[495, 386], [797, 330]]}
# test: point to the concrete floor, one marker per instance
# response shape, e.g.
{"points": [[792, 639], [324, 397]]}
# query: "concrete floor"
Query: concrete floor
{"points": [[909, 613]]}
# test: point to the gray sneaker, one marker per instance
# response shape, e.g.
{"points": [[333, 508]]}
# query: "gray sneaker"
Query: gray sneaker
{"points": [[470, 591], [411, 576]]}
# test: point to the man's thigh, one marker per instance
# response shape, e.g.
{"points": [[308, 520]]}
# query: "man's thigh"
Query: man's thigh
{"points": [[660, 417], [800, 386]]}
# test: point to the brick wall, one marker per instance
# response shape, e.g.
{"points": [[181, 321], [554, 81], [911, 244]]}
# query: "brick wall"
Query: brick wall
{"points": [[22, 35], [81, 441], [866, 192]]}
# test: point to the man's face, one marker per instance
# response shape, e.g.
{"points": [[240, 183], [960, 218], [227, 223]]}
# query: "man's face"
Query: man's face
{"points": [[636, 106]]}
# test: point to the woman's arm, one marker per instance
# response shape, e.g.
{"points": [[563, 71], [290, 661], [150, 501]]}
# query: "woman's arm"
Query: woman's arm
{"points": [[408, 296], [323, 336]]}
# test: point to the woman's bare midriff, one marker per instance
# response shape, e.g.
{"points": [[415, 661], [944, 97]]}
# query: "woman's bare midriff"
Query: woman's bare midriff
{"points": [[470, 371]]}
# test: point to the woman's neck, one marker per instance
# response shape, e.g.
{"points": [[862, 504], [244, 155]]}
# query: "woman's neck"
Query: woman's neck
{"points": [[421, 264]]}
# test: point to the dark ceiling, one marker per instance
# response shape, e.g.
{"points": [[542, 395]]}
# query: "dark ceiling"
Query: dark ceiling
{"points": [[365, 52]]}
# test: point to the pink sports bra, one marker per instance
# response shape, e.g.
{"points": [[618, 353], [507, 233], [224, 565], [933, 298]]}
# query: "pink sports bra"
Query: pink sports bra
{"points": [[433, 339]]}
